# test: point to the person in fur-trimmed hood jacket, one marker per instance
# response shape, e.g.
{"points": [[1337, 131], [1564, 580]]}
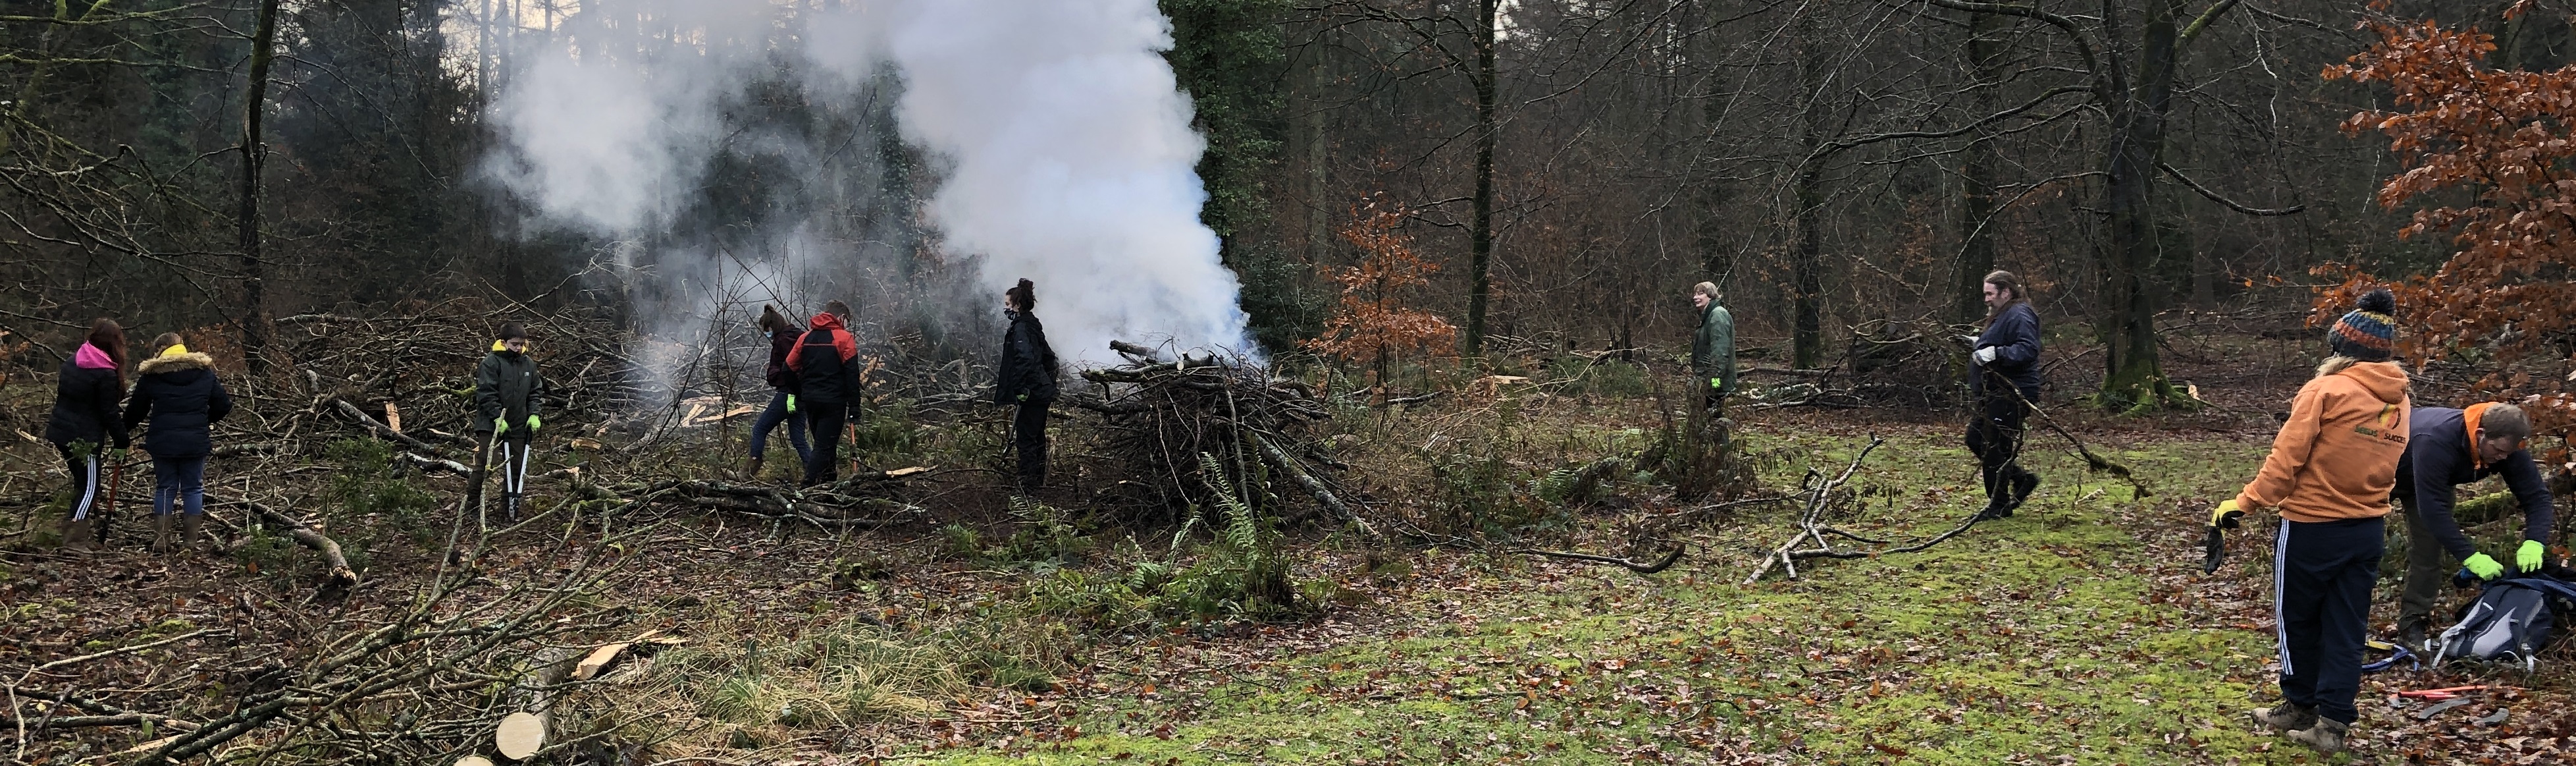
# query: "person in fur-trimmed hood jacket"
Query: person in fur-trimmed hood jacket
{"points": [[178, 393]]}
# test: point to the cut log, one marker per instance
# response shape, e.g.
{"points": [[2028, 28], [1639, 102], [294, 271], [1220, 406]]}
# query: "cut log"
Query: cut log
{"points": [[520, 735], [473, 760]]}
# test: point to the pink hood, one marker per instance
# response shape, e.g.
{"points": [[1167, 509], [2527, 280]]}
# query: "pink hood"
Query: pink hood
{"points": [[91, 357]]}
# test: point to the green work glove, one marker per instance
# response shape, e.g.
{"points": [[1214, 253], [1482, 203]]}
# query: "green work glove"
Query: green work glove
{"points": [[791, 403], [2225, 516], [535, 422], [2485, 568], [1024, 398], [1717, 383], [500, 426], [2527, 559]]}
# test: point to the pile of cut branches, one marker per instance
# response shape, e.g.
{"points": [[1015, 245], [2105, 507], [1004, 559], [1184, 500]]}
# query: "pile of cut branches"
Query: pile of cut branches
{"points": [[1163, 415]]}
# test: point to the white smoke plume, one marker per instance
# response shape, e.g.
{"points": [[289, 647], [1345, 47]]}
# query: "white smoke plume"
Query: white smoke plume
{"points": [[1062, 143]]}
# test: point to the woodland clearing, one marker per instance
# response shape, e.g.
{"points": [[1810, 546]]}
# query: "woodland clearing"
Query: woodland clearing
{"points": [[934, 620]]}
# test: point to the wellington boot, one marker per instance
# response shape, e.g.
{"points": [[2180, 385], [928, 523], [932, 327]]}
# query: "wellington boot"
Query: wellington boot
{"points": [[2023, 483], [76, 534], [161, 533], [2326, 736], [2286, 717], [192, 532]]}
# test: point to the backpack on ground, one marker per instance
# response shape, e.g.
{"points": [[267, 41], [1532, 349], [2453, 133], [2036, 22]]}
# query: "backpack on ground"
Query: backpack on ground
{"points": [[2512, 620]]}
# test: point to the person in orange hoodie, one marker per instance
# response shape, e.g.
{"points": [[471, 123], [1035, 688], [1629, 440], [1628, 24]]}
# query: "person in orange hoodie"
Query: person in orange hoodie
{"points": [[827, 378], [2329, 475]]}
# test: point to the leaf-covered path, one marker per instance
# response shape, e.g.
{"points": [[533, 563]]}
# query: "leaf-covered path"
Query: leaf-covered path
{"points": [[2079, 631]]}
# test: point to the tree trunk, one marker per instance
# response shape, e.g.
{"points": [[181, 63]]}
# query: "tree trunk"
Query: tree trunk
{"points": [[255, 319], [2126, 326], [1480, 262], [1807, 326], [1977, 180]]}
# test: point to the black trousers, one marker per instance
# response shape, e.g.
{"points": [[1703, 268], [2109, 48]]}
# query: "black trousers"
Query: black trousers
{"points": [[1996, 441], [1028, 434], [2321, 579], [824, 422], [86, 479]]}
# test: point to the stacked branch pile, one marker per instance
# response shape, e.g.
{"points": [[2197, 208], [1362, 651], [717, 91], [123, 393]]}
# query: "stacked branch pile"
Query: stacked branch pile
{"points": [[1162, 416]]}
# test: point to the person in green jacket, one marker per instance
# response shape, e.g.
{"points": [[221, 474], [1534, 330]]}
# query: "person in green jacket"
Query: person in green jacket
{"points": [[1713, 347], [507, 395]]}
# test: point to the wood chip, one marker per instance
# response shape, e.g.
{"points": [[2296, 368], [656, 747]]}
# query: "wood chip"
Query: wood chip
{"points": [[393, 417], [599, 658], [473, 760], [902, 472]]}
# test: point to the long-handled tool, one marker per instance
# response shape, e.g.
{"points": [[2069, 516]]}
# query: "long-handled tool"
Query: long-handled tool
{"points": [[107, 510]]}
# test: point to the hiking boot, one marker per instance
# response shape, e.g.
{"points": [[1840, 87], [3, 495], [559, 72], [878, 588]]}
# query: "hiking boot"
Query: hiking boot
{"points": [[161, 533], [2415, 637], [192, 532], [2022, 485], [1998, 507], [2326, 736], [2286, 717], [751, 470], [76, 533]]}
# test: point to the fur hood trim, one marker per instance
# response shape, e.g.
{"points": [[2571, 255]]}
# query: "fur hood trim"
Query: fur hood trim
{"points": [[194, 360]]}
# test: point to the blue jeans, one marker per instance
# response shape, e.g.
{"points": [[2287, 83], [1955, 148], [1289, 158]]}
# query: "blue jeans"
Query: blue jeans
{"points": [[179, 481], [769, 419]]}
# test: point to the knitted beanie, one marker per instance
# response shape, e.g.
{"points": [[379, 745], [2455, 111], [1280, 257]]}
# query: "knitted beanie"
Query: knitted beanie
{"points": [[2369, 333]]}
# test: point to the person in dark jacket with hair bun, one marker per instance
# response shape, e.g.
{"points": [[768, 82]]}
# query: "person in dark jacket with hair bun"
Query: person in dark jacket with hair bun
{"points": [[2004, 380], [1027, 381], [177, 391], [783, 335], [85, 421]]}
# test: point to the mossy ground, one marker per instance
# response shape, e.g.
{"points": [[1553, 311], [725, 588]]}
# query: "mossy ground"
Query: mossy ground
{"points": [[2079, 631]]}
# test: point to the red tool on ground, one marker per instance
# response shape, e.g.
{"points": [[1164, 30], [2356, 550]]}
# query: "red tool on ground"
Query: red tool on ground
{"points": [[2437, 695]]}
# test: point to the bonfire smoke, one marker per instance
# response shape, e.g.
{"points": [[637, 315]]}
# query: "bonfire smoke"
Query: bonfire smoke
{"points": [[1059, 140]]}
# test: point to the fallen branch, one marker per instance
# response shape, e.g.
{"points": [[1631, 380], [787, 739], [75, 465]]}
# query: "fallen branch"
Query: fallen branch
{"points": [[2092, 461], [1323, 495], [383, 431], [1811, 520], [1660, 565], [341, 576]]}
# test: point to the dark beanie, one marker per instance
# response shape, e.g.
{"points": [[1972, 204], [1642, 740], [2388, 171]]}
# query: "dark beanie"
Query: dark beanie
{"points": [[2369, 332]]}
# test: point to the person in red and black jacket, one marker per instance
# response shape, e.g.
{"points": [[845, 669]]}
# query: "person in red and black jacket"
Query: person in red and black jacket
{"points": [[85, 420], [1027, 381], [827, 383], [783, 335]]}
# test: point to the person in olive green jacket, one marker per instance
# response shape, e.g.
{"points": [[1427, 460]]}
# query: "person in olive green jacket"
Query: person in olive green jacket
{"points": [[1713, 347]]}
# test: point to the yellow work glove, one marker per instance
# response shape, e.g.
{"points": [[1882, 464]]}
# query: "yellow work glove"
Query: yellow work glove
{"points": [[500, 426], [2528, 558], [534, 423], [2225, 516], [2482, 566]]}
